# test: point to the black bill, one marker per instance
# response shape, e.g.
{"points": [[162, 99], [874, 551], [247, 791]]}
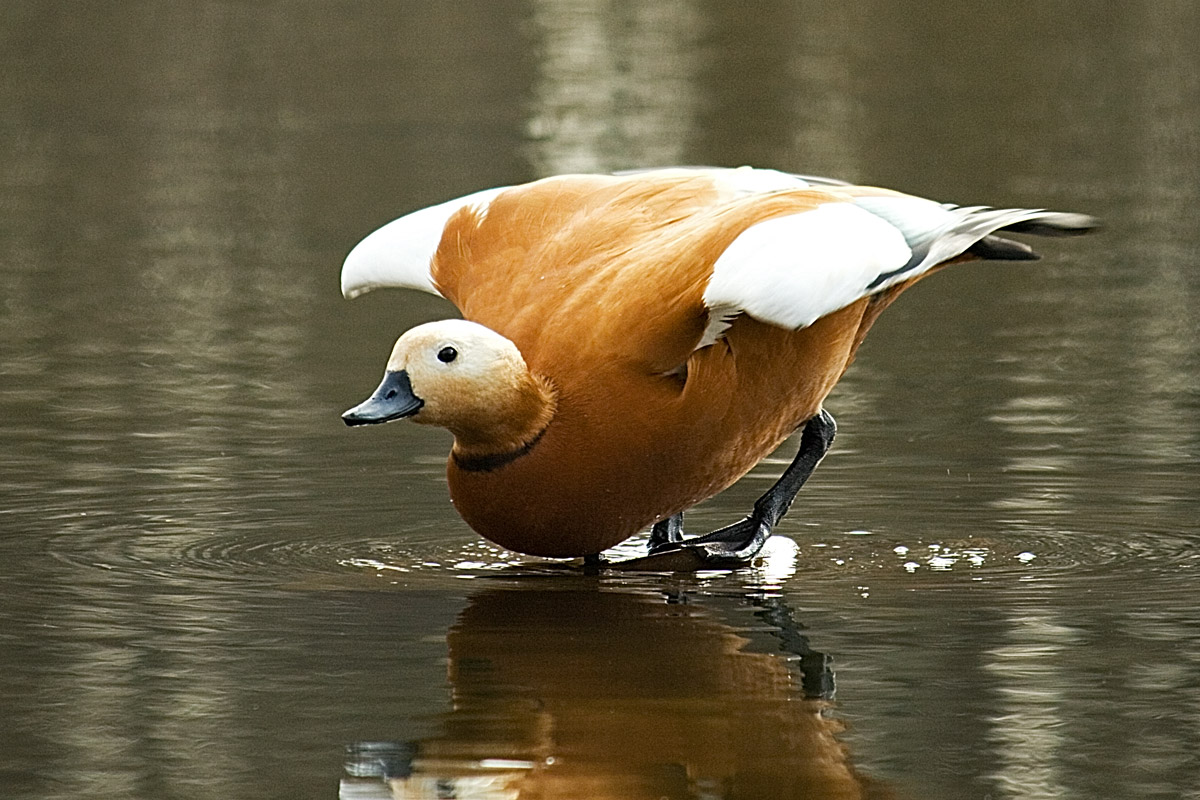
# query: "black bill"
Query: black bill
{"points": [[394, 399]]}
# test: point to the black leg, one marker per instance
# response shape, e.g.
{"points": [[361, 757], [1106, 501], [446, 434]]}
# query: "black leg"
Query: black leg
{"points": [[735, 545], [666, 531], [816, 670]]}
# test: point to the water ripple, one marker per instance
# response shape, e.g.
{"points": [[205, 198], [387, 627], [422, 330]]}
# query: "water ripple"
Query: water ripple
{"points": [[436, 552]]}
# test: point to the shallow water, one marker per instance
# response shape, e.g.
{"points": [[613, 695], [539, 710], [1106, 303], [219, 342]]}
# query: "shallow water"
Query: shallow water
{"points": [[209, 587]]}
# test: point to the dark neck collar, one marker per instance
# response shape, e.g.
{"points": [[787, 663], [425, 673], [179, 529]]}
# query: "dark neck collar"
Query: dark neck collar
{"points": [[493, 461]]}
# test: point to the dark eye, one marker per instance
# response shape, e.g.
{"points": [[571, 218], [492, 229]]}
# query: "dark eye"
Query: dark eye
{"points": [[447, 354]]}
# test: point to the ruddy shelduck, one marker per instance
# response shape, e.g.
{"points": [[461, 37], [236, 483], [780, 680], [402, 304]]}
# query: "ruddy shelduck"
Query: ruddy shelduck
{"points": [[632, 344]]}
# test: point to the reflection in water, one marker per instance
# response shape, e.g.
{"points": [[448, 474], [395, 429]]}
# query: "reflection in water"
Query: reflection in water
{"points": [[1041, 470], [160, 304], [616, 84], [626, 85], [1028, 731], [217, 229], [598, 693], [154, 311], [1133, 310], [1165, 329]]}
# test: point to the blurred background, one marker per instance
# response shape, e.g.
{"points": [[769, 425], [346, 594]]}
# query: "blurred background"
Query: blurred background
{"points": [[210, 588]]}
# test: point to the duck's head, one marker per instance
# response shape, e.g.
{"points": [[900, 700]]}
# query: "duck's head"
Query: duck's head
{"points": [[464, 377]]}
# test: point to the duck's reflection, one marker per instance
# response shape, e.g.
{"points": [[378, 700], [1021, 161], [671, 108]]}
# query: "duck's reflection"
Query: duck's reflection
{"points": [[599, 693]]}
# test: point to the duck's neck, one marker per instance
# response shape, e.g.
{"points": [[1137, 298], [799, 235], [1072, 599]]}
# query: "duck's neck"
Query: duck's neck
{"points": [[517, 421]]}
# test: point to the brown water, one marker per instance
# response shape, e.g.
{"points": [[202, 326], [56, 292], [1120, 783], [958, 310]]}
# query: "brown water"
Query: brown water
{"points": [[209, 587]]}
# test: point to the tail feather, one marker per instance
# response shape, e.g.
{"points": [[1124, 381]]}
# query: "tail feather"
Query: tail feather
{"points": [[1046, 223], [938, 232], [1055, 223]]}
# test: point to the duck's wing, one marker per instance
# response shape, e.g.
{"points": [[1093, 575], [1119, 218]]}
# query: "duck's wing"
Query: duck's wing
{"points": [[784, 269], [792, 270], [399, 253]]}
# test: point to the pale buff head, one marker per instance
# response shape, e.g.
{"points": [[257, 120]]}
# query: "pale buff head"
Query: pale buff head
{"points": [[464, 377]]}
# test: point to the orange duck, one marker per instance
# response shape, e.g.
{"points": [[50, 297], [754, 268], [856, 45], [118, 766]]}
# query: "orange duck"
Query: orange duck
{"points": [[633, 344]]}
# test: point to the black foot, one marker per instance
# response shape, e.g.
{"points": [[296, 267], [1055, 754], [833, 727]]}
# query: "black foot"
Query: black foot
{"points": [[730, 547], [666, 532], [737, 544], [733, 545]]}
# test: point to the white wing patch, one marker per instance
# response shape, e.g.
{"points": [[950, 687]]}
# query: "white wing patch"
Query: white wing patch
{"points": [[790, 271], [399, 253]]}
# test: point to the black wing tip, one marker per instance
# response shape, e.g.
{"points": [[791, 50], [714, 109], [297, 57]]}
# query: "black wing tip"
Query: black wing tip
{"points": [[997, 248]]}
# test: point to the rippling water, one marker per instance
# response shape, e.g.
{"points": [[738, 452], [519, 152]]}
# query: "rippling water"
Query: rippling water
{"points": [[210, 588]]}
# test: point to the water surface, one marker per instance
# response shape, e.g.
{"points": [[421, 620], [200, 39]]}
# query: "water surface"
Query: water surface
{"points": [[210, 588]]}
